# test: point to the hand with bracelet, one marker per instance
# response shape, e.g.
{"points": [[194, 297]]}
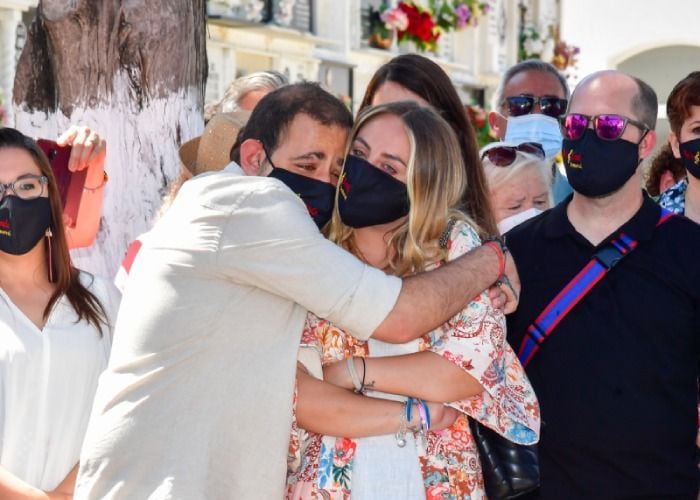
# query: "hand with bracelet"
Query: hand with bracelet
{"points": [[352, 415], [424, 375], [89, 151], [509, 281]]}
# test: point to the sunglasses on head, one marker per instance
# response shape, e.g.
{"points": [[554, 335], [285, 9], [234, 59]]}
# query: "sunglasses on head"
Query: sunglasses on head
{"points": [[519, 105], [503, 156], [607, 127]]}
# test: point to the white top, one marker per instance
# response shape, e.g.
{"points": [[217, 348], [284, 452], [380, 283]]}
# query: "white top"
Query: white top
{"points": [[378, 461], [47, 383], [197, 400]]}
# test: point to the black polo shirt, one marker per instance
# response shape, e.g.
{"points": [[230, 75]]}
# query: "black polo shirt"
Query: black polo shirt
{"points": [[617, 378]]}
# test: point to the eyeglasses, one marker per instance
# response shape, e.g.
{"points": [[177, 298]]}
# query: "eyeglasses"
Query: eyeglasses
{"points": [[503, 156], [607, 127], [523, 104], [28, 187]]}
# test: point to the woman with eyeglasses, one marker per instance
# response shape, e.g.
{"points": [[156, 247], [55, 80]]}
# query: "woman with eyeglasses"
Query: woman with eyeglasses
{"points": [[519, 180], [55, 330], [404, 431], [683, 111]]}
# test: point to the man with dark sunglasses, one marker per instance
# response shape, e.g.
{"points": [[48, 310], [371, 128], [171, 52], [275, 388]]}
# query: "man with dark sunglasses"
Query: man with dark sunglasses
{"points": [[617, 375], [527, 105]]}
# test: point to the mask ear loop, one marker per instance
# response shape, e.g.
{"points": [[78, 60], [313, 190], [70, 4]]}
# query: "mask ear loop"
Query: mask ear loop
{"points": [[49, 239]]}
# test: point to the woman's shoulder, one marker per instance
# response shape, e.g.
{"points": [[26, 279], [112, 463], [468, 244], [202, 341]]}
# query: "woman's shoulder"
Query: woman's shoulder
{"points": [[463, 238]]}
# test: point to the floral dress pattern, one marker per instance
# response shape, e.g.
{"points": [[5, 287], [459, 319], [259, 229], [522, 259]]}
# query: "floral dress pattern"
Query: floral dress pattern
{"points": [[673, 198], [320, 467]]}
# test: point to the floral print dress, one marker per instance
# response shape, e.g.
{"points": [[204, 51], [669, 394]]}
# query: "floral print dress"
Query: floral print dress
{"points": [[320, 467]]}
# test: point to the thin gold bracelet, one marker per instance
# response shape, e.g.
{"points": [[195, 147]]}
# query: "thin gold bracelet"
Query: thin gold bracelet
{"points": [[105, 178]]}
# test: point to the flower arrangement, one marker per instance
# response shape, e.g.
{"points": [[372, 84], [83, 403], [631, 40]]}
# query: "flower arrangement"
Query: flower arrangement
{"points": [[424, 21], [422, 29], [384, 22], [454, 15], [546, 44]]}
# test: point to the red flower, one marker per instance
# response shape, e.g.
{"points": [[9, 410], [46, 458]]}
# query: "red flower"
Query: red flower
{"points": [[420, 24]]}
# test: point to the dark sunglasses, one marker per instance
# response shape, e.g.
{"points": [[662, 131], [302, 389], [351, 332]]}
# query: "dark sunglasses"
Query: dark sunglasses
{"points": [[519, 105], [607, 127], [504, 156]]}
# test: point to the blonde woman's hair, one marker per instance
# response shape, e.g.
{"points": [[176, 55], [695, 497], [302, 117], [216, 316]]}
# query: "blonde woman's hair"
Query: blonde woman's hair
{"points": [[497, 176], [435, 179]]}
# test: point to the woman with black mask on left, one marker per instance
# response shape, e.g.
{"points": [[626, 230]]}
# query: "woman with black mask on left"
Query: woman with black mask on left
{"points": [[55, 331]]}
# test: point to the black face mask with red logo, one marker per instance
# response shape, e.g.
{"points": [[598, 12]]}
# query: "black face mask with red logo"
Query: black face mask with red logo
{"points": [[318, 196], [597, 168], [23, 223], [369, 196], [690, 155]]}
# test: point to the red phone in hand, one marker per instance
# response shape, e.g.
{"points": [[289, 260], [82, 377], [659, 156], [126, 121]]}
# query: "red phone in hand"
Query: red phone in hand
{"points": [[70, 184]]}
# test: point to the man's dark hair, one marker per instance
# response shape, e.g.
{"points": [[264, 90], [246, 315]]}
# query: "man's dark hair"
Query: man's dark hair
{"points": [[276, 111], [645, 103]]}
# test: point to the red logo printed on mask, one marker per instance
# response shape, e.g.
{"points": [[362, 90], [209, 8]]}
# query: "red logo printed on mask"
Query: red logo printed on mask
{"points": [[689, 155], [345, 187], [313, 211], [573, 158]]}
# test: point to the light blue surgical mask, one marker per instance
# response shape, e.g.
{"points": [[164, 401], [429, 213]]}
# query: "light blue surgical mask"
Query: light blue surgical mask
{"points": [[535, 127]]}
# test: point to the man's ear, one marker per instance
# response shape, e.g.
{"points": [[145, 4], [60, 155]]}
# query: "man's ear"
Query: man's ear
{"points": [[647, 145], [252, 156], [675, 144], [498, 124]]}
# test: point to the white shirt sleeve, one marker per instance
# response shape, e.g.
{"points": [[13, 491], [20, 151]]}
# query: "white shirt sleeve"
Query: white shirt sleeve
{"points": [[270, 242]]}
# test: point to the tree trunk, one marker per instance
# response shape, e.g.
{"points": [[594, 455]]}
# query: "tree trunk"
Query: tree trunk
{"points": [[134, 71]]}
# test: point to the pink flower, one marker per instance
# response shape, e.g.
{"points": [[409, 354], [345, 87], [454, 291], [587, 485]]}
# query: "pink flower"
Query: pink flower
{"points": [[464, 14], [394, 19]]}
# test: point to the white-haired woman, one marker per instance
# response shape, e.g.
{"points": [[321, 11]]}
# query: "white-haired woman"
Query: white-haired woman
{"points": [[519, 181]]}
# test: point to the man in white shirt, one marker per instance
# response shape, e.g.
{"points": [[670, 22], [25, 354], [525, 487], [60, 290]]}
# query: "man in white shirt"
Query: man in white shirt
{"points": [[196, 402]]}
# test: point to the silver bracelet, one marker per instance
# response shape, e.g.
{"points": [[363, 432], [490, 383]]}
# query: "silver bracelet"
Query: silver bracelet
{"points": [[403, 426]]}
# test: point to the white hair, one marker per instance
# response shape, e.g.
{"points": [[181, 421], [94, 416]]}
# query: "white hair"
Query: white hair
{"points": [[497, 176]]}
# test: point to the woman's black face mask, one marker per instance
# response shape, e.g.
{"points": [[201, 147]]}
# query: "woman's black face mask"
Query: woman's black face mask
{"points": [[23, 223], [368, 196]]}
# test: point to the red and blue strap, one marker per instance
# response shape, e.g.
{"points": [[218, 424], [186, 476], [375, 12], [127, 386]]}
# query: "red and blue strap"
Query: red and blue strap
{"points": [[602, 262]]}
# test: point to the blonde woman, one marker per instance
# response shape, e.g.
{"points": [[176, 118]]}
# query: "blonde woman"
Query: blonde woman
{"points": [[398, 195], [519, 180]]}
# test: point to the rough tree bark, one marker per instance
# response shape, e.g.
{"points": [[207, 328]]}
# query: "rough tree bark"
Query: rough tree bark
{"points": [[134, 71]]}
